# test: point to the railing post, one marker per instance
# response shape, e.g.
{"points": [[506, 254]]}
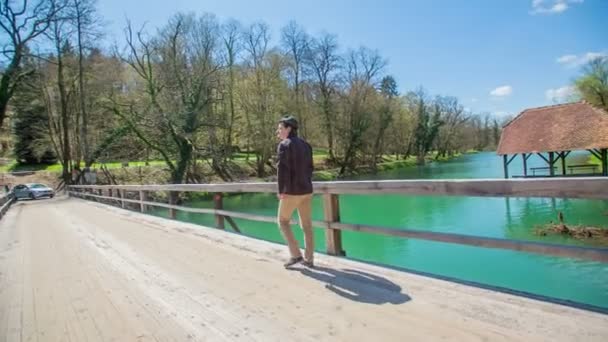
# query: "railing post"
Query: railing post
{"points": [[172, 201], [218, 202], [144, 198], [604, 162], [333, 237], [122, 196]]}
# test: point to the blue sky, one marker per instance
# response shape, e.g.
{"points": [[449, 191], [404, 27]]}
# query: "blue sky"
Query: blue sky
{"points": [[497, 56]]}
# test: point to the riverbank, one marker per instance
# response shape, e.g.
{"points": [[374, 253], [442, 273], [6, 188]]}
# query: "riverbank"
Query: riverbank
{"points": [[242, 170]]}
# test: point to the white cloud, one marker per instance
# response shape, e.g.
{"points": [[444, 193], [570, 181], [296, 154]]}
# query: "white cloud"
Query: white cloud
{"points": [[573, 61], [502, 91], [552, 6], [562, 94]]}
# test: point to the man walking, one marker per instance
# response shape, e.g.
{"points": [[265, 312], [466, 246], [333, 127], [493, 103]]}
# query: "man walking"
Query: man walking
{"points": [[295, 168]]}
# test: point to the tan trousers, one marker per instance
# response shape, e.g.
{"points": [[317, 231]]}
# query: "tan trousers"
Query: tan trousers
{"points": [[287, 205]]}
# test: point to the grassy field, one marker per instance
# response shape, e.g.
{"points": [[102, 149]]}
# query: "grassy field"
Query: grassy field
{"points": [[319, 155]]}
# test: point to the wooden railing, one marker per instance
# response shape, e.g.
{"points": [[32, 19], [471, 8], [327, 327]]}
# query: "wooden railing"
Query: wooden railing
{"points": [[587, 188], [5, 203]]}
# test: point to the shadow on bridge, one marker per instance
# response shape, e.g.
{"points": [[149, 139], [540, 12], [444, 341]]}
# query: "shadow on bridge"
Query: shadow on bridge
{"points": [[357, 286]]}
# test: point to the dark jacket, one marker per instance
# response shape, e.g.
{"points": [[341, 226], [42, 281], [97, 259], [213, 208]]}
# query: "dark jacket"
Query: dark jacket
{"points": [[295, 166]]}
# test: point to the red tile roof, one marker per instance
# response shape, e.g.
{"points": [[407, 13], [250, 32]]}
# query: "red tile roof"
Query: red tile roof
{"points": [[564, 127]]}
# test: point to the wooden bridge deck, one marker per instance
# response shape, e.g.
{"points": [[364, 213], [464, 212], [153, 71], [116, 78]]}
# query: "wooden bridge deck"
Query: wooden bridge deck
{"points": [[72, 270]]}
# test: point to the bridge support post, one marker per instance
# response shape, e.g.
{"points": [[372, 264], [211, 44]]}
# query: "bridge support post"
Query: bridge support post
{"points": [[122, 196], [144, 198], [333, 237], [173, 201], [218, 202]]}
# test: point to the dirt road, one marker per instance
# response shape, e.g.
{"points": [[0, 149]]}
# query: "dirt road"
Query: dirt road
{"points": [[71, 270]]}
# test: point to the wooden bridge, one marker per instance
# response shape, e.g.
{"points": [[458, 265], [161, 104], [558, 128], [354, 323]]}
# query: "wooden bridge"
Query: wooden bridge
{"points": [[74, 270]]}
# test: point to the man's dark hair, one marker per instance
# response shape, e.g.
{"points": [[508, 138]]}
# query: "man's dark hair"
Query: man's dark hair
{"points": [[290, 121]]}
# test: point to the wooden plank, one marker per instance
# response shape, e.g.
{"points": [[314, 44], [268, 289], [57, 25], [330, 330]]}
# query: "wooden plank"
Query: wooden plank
{"points": [[587, 253], [233, 224], [333, 237], [218, 205], [563, 187]]}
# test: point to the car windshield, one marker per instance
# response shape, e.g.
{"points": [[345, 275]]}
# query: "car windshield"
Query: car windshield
{"points": [[38, 186]]}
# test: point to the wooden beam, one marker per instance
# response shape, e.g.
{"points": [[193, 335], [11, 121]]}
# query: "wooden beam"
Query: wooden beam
{"points": [[561, 187], [595, 254], [505, 165], [218, 203], [333, 237], [597, 155], [551, 162], [233, 224], [511, 159], [563, 157], [525, 160], [544, 158]]}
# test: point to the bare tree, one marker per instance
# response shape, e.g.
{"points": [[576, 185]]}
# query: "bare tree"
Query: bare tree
{"points": [[294, 41], [179, 72], [231, 39], [85, 20], [324, 61], [363, 69], [21, 23], [453, 117], [262, 93]]}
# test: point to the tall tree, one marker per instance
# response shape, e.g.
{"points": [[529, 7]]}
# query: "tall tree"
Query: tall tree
{"points": [[179, 72], [324, 60], [231, 39], [84, 20], [428, 123], [21, 22], [262, 94], [362, 73], [32, 142], [593, 84], [389, 93], [294, 41]]}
